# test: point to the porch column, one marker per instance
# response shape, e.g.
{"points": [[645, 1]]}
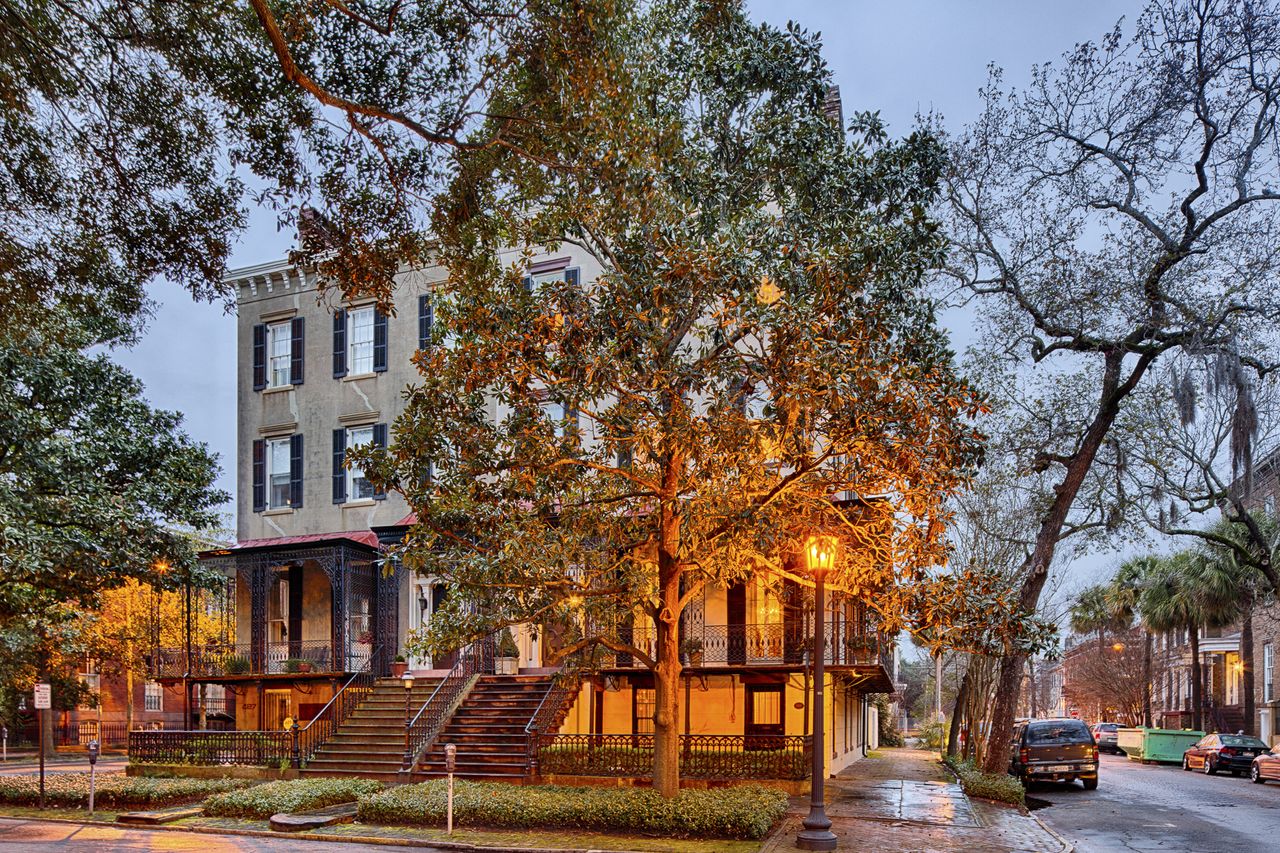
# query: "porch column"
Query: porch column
{"points": [[258, 591], [338, 585], [386, 622]]}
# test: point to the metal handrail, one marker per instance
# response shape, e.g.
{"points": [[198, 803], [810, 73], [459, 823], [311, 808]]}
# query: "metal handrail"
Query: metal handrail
{"points": [[419, 732], [359, 683], [567, 684]]}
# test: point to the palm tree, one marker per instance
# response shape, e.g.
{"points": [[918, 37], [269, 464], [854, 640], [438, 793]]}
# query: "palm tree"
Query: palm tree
{"points": [[1123, 595], [1094, 611], [1190, 591]]}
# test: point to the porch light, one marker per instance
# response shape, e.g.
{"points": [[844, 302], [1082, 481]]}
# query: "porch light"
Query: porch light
{"points": [[1117, 647], [407, 681]]}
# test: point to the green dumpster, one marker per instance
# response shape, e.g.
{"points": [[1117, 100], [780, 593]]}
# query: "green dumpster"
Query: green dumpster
{"points": [[1144, 744]]}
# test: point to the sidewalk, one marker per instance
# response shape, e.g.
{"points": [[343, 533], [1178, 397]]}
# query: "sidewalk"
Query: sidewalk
{"points": [[904, 800]]}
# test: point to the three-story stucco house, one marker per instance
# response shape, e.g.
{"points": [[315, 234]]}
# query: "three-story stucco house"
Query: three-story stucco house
{"points": [[320, 615]]}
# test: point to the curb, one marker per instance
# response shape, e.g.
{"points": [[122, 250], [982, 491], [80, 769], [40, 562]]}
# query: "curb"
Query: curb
{"points": [[315, 836], [1067, 846]]}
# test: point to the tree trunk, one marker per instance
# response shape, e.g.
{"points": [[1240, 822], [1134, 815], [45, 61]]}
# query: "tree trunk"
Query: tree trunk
{"points": [[962, 697], [1197, 682], [1037, 564], [1146, 679], [1031, 682], [1246, 666], [666, 676]]}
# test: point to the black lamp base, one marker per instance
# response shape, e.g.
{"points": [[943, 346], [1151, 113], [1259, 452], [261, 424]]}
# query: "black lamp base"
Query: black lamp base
{"points": [[816, 839]]}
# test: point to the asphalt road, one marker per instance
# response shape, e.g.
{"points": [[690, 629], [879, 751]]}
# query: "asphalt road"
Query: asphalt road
{"points": [[1157, 807]]}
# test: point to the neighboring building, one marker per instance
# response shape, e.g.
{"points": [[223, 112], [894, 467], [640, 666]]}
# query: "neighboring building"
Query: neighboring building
{"points": [[314, 609], [1266, 616], [1223, 684]]}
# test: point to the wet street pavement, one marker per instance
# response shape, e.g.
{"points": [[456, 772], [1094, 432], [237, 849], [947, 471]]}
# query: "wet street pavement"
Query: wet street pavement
{"points": [[1157, 807]]}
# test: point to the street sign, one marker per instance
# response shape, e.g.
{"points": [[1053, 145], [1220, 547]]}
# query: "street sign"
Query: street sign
{"points": [[44, 697]]}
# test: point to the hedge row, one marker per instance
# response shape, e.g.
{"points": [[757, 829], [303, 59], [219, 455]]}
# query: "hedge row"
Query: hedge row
{"points": [[748, 811], [991, 786], [113, 792], [262, 801]]}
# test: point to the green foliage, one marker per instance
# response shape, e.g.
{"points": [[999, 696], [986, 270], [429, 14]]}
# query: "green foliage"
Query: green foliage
{"points": [[889, 733], [236, 665], [111, 792], [702, 764], [298, 795], [507, 645], [933, 735], [748, 811], [1000, 787]]}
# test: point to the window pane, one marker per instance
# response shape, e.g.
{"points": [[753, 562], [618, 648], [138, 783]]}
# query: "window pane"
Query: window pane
{"points": [[360, 335], [358, 487], [278, 473], [645, 701], [281, 347], [766, 708]]}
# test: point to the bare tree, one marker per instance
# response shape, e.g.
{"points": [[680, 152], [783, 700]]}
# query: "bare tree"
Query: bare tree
{"points": [[1118, 210]]}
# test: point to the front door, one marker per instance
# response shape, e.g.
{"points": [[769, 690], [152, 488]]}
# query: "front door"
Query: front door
{"points": [[276, 706], [439, 592], [736, 611], [765, 723]]}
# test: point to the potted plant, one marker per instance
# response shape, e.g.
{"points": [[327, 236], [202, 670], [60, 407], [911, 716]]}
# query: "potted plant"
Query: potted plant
{"points": [[691, 651], [399, 667], [508, 660], [236, 665], [294, 665]]}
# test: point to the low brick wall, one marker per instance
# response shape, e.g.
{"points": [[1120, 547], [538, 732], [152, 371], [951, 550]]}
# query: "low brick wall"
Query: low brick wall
{"points": [[196, 771]]}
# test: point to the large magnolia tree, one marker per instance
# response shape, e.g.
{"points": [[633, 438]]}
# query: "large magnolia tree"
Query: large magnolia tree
{"points": [[747, 343]]}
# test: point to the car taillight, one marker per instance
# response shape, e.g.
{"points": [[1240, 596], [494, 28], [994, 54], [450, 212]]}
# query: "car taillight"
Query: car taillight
{"points": [[1095, 753], [1024, 755], [1226, 750]]}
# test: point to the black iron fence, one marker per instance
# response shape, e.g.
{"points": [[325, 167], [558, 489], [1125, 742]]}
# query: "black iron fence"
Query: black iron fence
{"points": [[255, 749], [761, 645], [715, 757]]}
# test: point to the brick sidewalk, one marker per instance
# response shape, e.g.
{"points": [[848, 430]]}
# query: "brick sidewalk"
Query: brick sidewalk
{"points": [[904, 800]]}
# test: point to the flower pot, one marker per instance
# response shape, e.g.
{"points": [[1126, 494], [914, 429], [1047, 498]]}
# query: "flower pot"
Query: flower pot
{"points": [[304, 666], [507, 666], [695, 658], [399, 668]]}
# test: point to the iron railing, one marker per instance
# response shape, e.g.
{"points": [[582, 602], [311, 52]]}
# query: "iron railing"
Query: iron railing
{"points": [[256, 749], [276, 659], [109, 733], [549, 714], [718, 757], [759, 645], [421, 731], [307, 739]]}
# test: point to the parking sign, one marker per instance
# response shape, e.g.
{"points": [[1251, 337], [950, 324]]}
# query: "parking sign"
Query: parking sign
{"points": [[44, 697]]}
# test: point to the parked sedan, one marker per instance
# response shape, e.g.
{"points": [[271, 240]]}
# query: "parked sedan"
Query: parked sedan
{"points": [[1215, 752], [1265, 766], [1107, 735]]}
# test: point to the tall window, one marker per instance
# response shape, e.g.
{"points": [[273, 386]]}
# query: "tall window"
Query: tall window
{"points": [[1268, 672], [280, 345], [279, 471], [643, 703], [358, 486], [153, 696], [360, 340]]}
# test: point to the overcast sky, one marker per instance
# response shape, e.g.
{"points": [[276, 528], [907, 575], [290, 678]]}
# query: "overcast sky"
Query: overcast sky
{"points": [[901, 57]]}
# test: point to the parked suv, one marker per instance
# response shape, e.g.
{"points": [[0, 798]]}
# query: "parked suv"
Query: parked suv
{"points": [[1054, 751], [1106, 735]]}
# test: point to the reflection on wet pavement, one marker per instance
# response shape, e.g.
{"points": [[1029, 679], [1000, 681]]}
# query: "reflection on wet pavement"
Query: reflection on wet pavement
{"points": [[941, 803]]}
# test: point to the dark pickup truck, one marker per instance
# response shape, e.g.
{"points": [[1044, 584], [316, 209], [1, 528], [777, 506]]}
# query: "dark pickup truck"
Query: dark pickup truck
{"points": [[1054, 751]]}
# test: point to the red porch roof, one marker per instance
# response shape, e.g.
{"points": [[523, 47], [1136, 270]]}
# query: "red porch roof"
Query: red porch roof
{"points": [[360, 537]]}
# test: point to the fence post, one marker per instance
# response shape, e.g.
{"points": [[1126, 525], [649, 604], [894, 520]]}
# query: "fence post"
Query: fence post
{"points": [[297, 755]]}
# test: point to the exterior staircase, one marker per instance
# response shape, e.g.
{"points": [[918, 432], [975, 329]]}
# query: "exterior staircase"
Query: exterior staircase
{"points": [[488, 729], [370, 742]]}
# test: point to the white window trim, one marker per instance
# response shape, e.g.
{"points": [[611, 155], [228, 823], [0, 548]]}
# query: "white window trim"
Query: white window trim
{"points": [[1268, 672], [352, 313], [153, 690], [285, 332], [353, 471], [271, 443]]}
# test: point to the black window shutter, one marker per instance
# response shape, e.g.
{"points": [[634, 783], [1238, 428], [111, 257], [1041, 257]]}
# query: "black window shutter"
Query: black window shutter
{"points": [[295, 351], [339, 474], [379, 341], [571, 277], [426, 317], [259, 356], [528, 284], [379, 440], [295, 471], [259, 475], [339, 343]]}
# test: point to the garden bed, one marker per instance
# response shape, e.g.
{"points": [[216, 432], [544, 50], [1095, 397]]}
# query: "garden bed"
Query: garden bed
{"points": [[1000, 787], [263, 801], [749, 811], [71, 790]]}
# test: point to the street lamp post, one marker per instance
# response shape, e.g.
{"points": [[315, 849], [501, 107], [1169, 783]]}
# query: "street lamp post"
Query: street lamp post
{"points": [[817, 835]]}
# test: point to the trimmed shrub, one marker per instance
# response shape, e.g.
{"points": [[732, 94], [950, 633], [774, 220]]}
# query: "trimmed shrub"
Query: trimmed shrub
{"points": [[990, 786], [299, 795], [748, 811], [71, 790]]}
